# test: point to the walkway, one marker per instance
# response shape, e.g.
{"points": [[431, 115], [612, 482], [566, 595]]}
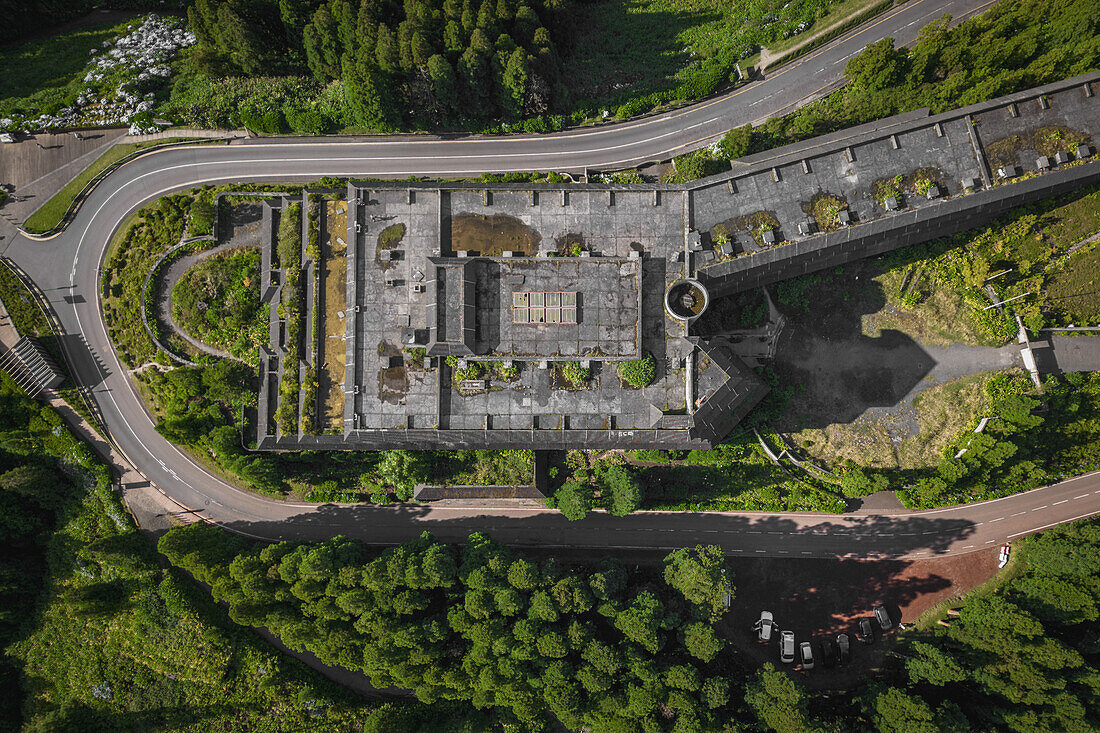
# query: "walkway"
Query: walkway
{"points": [[40, 172]]}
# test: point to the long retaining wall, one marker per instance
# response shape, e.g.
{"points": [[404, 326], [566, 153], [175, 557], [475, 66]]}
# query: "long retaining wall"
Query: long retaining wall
{"points": [[882, 235]]}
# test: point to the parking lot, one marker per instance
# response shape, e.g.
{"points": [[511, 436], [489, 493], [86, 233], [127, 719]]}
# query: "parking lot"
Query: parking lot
{"points": [[819, 598]]}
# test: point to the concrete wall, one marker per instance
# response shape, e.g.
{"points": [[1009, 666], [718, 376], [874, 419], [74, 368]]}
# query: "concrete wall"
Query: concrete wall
{"points": [[900, 230]]}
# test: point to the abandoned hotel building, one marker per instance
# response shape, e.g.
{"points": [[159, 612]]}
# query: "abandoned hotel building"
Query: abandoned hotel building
{"points": [[497, 315]]}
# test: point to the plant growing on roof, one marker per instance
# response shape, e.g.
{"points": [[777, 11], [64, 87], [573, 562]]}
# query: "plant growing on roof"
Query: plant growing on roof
{"points": [[575, 374], [638, 372]]}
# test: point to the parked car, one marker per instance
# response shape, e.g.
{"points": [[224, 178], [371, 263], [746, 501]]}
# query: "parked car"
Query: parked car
{"points": [[1003, 559], [883, 617], [828, 653], [844, 647], [786, 647], [866, 632], [764, 626], [807, 655]]}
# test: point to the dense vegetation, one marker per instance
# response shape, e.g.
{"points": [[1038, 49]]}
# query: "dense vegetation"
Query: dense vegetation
{"points": [[1020, 659], [289, 250], [96, 635], [928, 292], [1033, 440], [613, 650], [427, 61], [379, 64], [597, 645], [133, 254], [218, 302], [1015, 45]]}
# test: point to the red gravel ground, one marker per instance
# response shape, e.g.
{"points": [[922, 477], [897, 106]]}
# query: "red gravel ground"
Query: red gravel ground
{"points": [[816, 598]]}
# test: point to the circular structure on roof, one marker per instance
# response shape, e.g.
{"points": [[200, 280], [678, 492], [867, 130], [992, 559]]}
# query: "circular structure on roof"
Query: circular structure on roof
{"points": [[685, 300]]}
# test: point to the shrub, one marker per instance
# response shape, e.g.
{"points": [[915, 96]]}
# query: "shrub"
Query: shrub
{"points": [[638, 372], [575, 374], [202, 213]]}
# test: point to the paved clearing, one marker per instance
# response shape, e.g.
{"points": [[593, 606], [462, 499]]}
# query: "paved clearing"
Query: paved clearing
{"points": [[815, 598]]}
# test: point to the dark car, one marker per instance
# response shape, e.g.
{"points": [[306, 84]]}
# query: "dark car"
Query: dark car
{"points": [[866, 633], [883, 617], [828, 653], [844, 647]]}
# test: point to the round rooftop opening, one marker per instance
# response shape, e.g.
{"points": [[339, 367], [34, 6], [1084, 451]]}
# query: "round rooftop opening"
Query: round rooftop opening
{"points": [[685, 300]]}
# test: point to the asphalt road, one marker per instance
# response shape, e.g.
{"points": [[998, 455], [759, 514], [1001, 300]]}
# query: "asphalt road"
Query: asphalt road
{"points": [[67, 269]]}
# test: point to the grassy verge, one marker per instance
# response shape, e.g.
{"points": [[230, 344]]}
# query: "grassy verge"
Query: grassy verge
{"points": [[854, 11], [51, 213]]}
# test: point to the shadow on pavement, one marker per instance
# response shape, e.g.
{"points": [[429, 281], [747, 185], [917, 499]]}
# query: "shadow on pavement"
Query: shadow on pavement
{"points": [[849, 537], [88, 367]]}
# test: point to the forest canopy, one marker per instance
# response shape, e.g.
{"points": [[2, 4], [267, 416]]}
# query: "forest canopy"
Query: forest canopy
{"points": [[428, 60]]}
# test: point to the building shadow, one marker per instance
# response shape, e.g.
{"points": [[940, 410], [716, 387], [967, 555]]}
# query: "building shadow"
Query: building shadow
{"points": [[874, 536], [838, 372], [87, 366]]}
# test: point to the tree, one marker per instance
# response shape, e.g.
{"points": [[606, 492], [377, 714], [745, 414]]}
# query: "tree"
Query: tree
{"points": [[574, 500], [514, 82], [443, 81], [895, 711], [856, 483], [641, 621], [386, 52], [368, 95], [699, 573], [622, 488], [403, 469], [322, 44], [737, 142], [777, 701], [879, 66], [702, 642], [932, 665]]}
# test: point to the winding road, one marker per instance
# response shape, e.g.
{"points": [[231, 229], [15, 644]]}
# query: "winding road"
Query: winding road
{"points": [[67, 267]]}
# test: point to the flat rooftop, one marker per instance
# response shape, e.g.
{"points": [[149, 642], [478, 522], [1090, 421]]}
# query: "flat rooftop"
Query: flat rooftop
{"points": [[558, 308]]}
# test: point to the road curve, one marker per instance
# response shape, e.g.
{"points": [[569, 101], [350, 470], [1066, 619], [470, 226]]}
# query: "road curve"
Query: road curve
{"points": [[67, 268]]}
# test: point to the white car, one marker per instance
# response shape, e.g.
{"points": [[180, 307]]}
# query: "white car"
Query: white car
{"points": [[764, 626], [786, 647], [1003, 559], [807, 655]]}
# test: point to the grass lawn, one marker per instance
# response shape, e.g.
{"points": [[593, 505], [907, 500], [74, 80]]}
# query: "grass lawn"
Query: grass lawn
{"points": [[45, 72], [624, 46], [53, 211], [937, 416], [1074, 292]]}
